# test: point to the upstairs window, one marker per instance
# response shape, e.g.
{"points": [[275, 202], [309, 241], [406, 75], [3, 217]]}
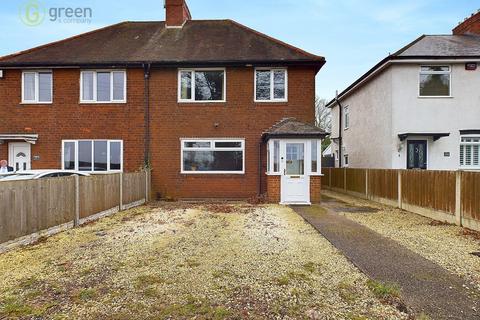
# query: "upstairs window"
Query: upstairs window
{"points": [[213, 156], [201, 85], [346, 118], [271, 85], [103, 86], [434, 81], [37, 87], [470, 152]]}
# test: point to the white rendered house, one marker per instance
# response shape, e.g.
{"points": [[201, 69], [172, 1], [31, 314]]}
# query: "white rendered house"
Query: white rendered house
{"points": [[418, 108]]}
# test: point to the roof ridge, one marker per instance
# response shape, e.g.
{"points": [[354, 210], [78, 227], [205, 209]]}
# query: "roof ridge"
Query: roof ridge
{"points": [[62, 40], [403, 49], [276, 40]]}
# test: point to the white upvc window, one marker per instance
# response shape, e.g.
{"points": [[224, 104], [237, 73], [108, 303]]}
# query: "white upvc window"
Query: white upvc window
{"points": [[212, 156], [103, 86], [316, 152], [435, 81], [37, 86], [470, 152], [271, 85], [202, 85], [96, 156], [346, 117]]}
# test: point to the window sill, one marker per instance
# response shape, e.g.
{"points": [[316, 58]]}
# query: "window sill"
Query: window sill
{"points": [[35, 103], [270, 101], [103, 102], [223, 173], [201, 102], [273, 173], [434, 97]]}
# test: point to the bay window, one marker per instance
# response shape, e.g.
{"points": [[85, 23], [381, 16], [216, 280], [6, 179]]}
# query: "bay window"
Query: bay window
{"points": [[470, 152], [92, 155], [434, 81], [271, 85], [202, 85], [37, 87], [103, 86], [213, 156]]}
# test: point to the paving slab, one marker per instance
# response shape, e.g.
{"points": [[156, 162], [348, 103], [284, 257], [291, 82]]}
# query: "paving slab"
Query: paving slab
{"points": [[426, 287]]}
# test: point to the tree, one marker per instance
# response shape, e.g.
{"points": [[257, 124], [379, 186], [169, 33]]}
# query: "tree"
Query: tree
{"points": [[323, 116], [323, 119]]}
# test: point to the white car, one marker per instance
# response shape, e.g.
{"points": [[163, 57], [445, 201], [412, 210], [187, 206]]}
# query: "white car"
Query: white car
{"points": [[40, 174]]}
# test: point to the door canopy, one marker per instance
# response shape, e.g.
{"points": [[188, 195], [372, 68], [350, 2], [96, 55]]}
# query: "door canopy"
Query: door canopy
{"points": [[291, 128]]}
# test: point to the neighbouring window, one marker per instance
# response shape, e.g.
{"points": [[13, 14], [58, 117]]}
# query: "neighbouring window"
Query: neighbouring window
{"points": [[434, 81], [470, 152], [201, 85], [103, 86], [213, 156], [93, 155], [346, 118], [314, 156], [271, 85], [37, 87]]}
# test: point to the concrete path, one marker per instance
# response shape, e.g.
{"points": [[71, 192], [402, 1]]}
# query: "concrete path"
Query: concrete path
{"points": [[425, 286]]}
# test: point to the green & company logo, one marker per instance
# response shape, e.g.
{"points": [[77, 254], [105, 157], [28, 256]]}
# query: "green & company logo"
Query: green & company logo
{"points": [[32, 13]]}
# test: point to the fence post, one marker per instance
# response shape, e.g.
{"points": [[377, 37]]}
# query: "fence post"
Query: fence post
{"points": [[147, 185], [366, 183], [120, 183], [458, 198], [345, 180], [76, 220], [399, 173], [330, 178]]}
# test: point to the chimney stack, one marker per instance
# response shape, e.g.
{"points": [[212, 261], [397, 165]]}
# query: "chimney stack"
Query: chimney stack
{"points": [[470, 25], [177, 13]]}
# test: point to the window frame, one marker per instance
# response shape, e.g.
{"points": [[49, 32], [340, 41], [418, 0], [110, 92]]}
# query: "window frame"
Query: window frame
{"points": [[37, 87], [346, 116], [449, 72], [272, 89], [211, 148], [464, 166], [94, 92], [109, 141], [192, 99]]}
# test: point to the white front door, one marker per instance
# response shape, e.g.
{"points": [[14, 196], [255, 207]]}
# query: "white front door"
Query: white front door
{"points": [[19, 155], [295, 184]]}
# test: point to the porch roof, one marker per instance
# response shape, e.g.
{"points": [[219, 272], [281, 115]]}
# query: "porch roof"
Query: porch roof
{"points": [[292, 128], [30, 138], [434, 135]]}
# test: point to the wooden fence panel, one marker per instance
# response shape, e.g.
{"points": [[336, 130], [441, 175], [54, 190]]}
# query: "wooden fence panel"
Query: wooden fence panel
{"points": [[383, 183], [99, 193], [471, 195], [356, 180], [133, 187], [338, 178], [326, 177], [429, 189], [30, 206]]}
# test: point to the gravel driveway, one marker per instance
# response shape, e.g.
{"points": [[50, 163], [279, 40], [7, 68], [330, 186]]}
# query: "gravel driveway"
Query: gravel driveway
{"points": [[448, 245], [173, 261]]}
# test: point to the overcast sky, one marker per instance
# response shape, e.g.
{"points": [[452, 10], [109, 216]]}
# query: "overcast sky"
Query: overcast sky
{"points": [[353, 35]]}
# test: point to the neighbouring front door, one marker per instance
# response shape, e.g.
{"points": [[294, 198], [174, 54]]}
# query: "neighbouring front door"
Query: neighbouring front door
{"points": [[417, 154], [19, 155], [295, 184]]}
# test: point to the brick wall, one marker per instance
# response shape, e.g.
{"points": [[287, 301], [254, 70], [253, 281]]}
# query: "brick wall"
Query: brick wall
{"points": [[315, 189], [273, 189], [239, 117], [470, 25]]}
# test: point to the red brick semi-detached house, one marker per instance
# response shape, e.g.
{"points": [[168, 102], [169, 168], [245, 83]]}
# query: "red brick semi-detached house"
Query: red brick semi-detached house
{"points": [[216, 109]]}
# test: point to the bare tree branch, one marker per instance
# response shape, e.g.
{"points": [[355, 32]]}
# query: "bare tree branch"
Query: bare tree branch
{"points": [[323, 116]]}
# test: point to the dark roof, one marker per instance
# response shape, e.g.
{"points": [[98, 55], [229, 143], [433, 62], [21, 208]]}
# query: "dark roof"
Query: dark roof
{"points": [[292, 128], [442, 46], [198, 42], [466, 46]]}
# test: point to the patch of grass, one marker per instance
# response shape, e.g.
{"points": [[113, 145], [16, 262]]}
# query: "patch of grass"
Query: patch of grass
{"points": [[283, 281], [310, 267], [86, 294], [14, 308], [384, 291], [423, 316], [347, 292], [193, 263], [221, 274], [296, 275], [146, 280]]}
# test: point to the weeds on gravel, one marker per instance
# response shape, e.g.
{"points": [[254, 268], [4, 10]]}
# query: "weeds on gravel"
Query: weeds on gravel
{"points": [[384, 291]]}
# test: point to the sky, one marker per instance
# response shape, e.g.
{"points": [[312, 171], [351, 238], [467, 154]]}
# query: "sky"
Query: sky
{"points": [[353, 35]]}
